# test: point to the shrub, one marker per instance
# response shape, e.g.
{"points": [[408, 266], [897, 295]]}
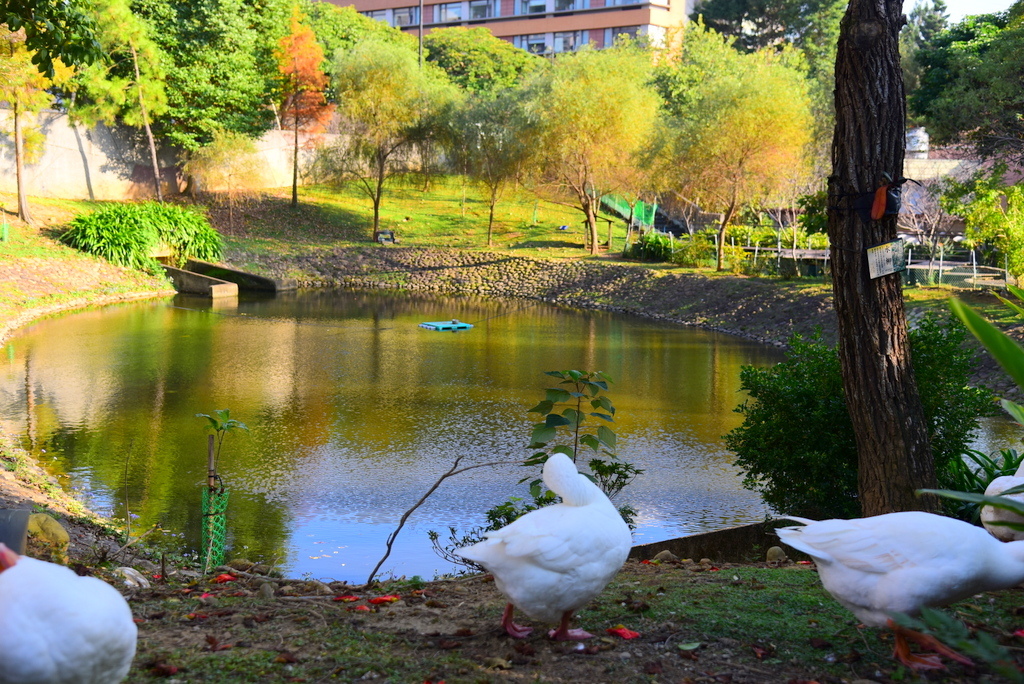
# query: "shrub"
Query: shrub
{"points": [[796, 445], [126, 234], [651, 246], [694, 253]]}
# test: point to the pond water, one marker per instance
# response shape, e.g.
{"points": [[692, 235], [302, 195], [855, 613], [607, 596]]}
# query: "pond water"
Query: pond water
{"points": [[354, 411]]}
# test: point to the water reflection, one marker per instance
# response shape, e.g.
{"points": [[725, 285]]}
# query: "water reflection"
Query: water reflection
{"points": [[354, 411]]}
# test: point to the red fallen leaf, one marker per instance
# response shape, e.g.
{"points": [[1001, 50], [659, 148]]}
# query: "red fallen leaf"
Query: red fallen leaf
{"points": [[365, 609], [215, 643], [163, 670], [197, 616], [620, 631], [207, 594], [759, 652], [1019, 633], [385, 599], [427, 681], [645, 562], [346, 597], [138, 621], [237, 593], [158, 576], [221, 579], [803, 563], [714, 569], [186, 591]]}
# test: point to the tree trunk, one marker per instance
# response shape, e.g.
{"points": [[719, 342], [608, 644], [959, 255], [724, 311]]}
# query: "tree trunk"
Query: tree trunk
{"points": [[729, 213], [149, 131], [490, 215], [295, 156], [894, 454], [19, 166]]}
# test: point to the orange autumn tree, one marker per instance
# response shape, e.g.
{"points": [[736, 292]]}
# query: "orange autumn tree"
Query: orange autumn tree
{"points": [[303, 104]]}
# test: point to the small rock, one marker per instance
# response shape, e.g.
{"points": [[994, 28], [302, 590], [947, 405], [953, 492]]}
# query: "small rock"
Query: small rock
{"points": [[705, 561], [666, 555], [45, 529], [240, 564], [133, 578], [266, 591], [775, 555]]}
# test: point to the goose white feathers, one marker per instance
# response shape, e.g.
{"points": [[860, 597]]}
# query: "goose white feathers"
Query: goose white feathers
{"points": [[554, 560], [901, 562], [59, 628], [991, 517]]}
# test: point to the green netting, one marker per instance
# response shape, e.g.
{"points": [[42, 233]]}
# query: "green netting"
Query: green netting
{"points": [[643, 213], [215, 521]]}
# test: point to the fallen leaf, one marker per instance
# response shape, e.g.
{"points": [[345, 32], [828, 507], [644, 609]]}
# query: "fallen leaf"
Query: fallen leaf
{"points": [[207, 594], [653, 668], [621, 631], [161, 669], [138, 621], [820, 643], [346, 598], [497, 664], [385, 599], [215, 643], [285, 657], [1019, 633], [221, 579], [466, 632], [448, 644], [804, 563], [197, 616], [365, 609], [524, 648], [692, 646]]}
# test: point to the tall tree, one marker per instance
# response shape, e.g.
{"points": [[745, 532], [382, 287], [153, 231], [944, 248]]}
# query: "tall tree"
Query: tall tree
{"points": [[741, 125], [390, 107], [299, 58], [971, 84], [222, 73], [595, 112], [894, 456], [25, 90], [476, 60], [924, 24], [128, 84], [491, 140]]}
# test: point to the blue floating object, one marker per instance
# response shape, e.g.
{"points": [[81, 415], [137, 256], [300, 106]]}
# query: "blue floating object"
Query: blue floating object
{"points": [[454, 324]]}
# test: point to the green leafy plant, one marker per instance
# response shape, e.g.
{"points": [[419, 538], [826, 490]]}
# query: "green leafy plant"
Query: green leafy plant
{"points": [[127, 234], [974, 473], [796, 445], [651, 246], [564, 428], [221, 423]]}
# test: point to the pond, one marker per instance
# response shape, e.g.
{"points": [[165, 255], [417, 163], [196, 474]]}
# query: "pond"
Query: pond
{"points": [[354, 412]]}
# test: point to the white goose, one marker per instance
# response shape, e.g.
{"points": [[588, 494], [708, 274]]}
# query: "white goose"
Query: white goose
{"points": [[900, 562], [59, 628], [991, 517], [554, 560]]}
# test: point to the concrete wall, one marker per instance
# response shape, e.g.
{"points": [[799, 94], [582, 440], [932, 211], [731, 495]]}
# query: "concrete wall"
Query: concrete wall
{"points": [[106, 163]]}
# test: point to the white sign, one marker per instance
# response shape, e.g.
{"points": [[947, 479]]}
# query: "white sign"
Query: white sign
{"points": [[886, 258]]}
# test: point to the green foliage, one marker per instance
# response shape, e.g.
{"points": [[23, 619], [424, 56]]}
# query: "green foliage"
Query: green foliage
{"points": [[54, 31], [696, 252], [814, 212], [651, 246], [221, 423], [975, 476], [993, 214], [970, 85], [222, 71], [126, 234], [796, 444], [476, 60]]}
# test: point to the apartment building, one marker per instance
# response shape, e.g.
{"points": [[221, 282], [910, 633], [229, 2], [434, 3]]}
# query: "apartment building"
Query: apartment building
{"points": [[539, 26]]}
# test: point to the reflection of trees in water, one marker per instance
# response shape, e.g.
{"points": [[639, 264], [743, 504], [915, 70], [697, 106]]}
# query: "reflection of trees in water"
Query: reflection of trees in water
{"points": [[319, 377]]}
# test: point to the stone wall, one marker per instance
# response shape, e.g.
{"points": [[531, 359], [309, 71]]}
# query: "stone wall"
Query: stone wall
{"points": [[112, 163]]}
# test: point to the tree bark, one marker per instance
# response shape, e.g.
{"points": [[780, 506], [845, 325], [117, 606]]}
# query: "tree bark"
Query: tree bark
{"points": [[894, 453]]}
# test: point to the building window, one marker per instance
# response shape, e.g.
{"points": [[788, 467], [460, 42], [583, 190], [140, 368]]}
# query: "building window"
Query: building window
{"points": [[631, 31], [481, 9], [565, 5], [567, 41], [532, 6], [449, 12], [379, 15], [535, 43], [404, 16]]}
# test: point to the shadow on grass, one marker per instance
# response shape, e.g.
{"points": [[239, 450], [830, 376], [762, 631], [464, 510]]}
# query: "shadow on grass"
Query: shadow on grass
{"points": [[274, 217], [549, 244]]}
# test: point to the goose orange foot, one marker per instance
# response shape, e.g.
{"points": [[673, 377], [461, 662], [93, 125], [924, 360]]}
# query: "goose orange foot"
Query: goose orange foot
{"points": [[917, 662], [563, 633]]}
